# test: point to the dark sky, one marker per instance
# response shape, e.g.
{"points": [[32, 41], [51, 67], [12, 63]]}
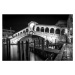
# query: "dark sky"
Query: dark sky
{"points": [[18, 22]]}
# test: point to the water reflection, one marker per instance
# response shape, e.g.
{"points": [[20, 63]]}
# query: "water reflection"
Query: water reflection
{"points": [[34, 57], [14, 52]]}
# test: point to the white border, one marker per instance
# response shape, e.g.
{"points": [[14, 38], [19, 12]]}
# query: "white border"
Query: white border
{"points": [[36, 7]]}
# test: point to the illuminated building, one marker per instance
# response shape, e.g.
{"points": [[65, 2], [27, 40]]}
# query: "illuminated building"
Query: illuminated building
{"points": [[70, 28], [7, 33]]}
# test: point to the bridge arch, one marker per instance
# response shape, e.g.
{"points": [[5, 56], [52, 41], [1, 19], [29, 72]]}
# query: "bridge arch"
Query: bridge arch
{"points": [[57, 31], [37, 28], [52, 30], [24, 31], [20, 32], [42, 29], [47, 30], [27, 30]]}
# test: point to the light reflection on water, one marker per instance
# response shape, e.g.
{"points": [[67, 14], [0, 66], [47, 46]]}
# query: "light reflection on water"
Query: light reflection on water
{"points": [[34, 57], [14, 54]]}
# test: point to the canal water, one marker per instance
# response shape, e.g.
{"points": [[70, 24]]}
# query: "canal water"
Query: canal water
{"points": [[14, 50], [14, 54]]}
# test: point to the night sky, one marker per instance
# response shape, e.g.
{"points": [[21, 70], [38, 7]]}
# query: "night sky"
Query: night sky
{"points": [[18, 22]]}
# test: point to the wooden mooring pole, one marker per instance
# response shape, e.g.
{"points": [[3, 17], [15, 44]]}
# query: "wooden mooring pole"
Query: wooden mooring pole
{"points": [[27, 51], [24, 51], [22, 45], [8, 49], [19, 51], [43, 44]]}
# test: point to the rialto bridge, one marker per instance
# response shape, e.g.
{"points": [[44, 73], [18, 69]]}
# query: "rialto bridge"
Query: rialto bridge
{"points": [[51, 33]]}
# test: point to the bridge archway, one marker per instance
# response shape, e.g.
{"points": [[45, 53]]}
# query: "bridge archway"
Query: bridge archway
{"points": [[57, 31], [42, 29], [52, 30], [47, 30], [38, 29]]}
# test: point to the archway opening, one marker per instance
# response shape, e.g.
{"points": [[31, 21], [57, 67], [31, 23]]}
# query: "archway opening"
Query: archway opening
{"points": [[47, 30], [52, 30], [42, 29], [37, 29], [57, 31]]}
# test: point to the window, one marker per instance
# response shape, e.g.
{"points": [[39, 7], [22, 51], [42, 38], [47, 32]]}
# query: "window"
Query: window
{"points": [[57, 31], [52, 30], [42, 29], [47, 30], [37, 29], [63, 31]]}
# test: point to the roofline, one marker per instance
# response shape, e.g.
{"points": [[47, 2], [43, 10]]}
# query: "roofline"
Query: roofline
{"points": [[9, 30], [47, 25]]}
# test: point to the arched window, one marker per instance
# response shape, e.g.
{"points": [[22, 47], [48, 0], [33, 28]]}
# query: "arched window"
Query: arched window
{"points": [[57, 31], [37, 29], [26, 30], [62, 31], [42, 29], [47, 30], [52, 30]]}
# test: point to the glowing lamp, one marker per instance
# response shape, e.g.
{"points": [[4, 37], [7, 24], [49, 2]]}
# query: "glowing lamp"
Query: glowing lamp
{"points": [[66, 31]]}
